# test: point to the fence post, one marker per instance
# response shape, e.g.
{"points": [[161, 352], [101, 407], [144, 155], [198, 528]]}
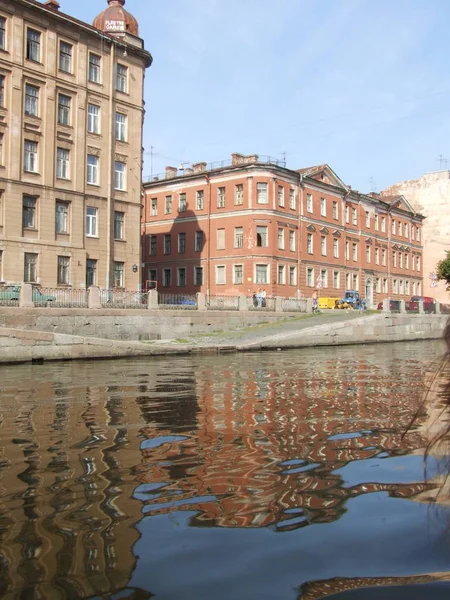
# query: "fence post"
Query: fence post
{"points": [[278, 304], [26, 296], [421, 309], [387, 305], [152, 300], [201, 301], [94, 297], [402, 306], [242, 302], [309, 305], [437, 308]]}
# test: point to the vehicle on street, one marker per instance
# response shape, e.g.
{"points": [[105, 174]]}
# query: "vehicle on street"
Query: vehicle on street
{"points": [[428, 304], [351, 299], [11, 293]]}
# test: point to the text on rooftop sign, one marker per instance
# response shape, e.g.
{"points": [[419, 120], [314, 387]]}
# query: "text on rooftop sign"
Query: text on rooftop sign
{"points": [[115, 25]]}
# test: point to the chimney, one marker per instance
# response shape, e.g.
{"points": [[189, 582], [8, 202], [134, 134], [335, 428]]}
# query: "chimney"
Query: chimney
{"points": [[54, 4], [188, 171], [237, 159], [251, 158], [171, 172], [199, 167]]}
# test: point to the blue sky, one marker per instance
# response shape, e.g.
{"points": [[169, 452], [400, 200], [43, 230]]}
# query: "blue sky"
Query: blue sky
{"points": [[361, 85]]}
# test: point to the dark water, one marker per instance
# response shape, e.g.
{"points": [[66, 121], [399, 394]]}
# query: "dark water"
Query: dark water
{"points": [[225, 478]]}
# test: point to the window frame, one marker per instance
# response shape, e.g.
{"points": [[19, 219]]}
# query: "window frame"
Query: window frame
{"points": [[93, 119], [29, 212], [222, 269], [64, 112], [63, 270], [239, 194], [64, 55], [235, 279], [31, 100], [119, 225], [31, 156], [91, 222], [239, 237], [262, 235], [199, 199], [33, 46], [92, 169], [199, 241], [33, 265], [262, 192], [119, 274], [64, 229], [94, 68], [91, 272], [62, 163], [122, 78], [121, 128], [120, 176]]}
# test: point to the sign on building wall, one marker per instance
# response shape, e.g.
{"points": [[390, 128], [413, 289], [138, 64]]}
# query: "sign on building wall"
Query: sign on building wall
{"points": [[115, 25]]}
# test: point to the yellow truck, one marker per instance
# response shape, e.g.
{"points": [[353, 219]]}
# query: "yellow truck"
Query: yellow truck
{"points": [[327, 302]]}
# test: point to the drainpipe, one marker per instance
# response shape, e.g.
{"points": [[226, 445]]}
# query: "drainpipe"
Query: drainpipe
{"points": [[299, 238], [109, 240], [208, 246]]}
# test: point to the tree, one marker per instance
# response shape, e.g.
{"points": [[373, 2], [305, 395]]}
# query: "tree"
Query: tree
{"points": [[443, 270]]}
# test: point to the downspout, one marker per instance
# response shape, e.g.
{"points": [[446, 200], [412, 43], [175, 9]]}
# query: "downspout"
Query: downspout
{"points": [[208, 246], [109, 240], [299, 238]]}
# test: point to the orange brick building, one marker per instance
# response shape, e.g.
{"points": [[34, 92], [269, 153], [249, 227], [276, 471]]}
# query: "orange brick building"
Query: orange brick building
{"points": [[233, 227]]}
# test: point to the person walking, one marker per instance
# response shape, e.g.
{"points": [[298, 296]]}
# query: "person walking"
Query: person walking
{"points": [[315, 302]]}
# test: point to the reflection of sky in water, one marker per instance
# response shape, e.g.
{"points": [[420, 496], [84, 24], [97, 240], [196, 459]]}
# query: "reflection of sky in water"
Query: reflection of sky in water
{"points": [[431, 591], [178, 561]]}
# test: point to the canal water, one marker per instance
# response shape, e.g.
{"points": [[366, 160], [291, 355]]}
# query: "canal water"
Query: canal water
{"points": [[276, 476]]}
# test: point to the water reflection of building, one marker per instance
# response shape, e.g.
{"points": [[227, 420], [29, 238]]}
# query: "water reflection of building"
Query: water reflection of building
{"points": [[270, 443]]}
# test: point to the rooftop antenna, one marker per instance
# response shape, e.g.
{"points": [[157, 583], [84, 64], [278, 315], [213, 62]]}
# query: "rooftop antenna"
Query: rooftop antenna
{"points": [[283, 154], [443, 163], [372, 185]]}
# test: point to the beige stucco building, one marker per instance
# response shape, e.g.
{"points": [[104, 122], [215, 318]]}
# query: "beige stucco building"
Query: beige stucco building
{"points": [[430, 196], [71, 116]]}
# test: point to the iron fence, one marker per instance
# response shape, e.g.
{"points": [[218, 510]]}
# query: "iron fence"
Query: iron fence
{"points": [[123, 299], [183, 301], [265, 304], [294, 304], [214, 302], [60, 297], [9, 295]]}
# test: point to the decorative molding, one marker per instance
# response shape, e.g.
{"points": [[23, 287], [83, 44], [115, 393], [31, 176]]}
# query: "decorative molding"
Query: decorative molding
{"points": [[120, 157], [94, 151]]}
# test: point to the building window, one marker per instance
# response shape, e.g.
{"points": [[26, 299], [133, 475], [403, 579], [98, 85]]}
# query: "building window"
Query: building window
{"points": [[119, 175], [368, 254], [394, 227], [323, 245], [309, 243], [2, 33], [198, 241], [406, 288], [406, 261], [348, 281], [62, 163], [383, 257], [281, 274], [200, 200], [181, 243], [33, 45], [239, 194], [91, 272], [1, 265], [347, 214], [221, 197], [419, 288], [152, 279], [198, 276], [323, 207], [121, 127], [167, 243], [220, 239], [280, 238], [261, 236], [238, 237], [292, 199], [168, 205], [262, 193], [355, 251], [182, 204], [121, 78], [377, 256], [119, 274], [400, 260], [30, 162], [385, 286], [63, 270], [91, 221], [94, 68], [310, 277], [29, 220], [336, 248], [167, 277], [62, 217], [324, 278], [347, 250], [418, 234], [30, 268], [93, 123], [367, 219], [406, 229], [354, 216], [262, 273], [181, 276], [119, 221], [335, 211], [355, 283], [309, 203], [336, 280], [376, 222], [31, 100], [383, 224], [292, 275], [92, 169], [292, 241], [400, 228], [2, 91], [63, 109], [394, 258], [412, 263], [1, 150], [280, 195], [238, 274], [65, 57], [378, 285], [220, 275], [418, 263], [152, 244], [395, 286], [154, 207]]}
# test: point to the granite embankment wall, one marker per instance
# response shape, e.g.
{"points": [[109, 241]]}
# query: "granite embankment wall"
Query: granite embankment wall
{"points": [[383, 328], [138, 325]]}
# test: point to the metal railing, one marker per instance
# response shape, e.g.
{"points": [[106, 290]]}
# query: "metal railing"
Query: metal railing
{"points": [[266, 304], [123, 299], [215, 302], [60, 297], [294, 305], [9, 295], [184, 301]]}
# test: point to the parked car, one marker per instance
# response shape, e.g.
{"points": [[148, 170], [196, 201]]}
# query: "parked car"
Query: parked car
{"points": [[351, 299], [11, 293], [394, 305], [428, 303]]}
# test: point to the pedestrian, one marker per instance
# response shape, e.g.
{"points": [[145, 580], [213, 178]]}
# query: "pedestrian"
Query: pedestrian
{"points": [[263, 298], [259, 298], [315, 302]]}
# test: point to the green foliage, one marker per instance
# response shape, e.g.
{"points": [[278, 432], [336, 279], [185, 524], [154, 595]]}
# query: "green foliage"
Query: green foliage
{"points": [[443, 270]]}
